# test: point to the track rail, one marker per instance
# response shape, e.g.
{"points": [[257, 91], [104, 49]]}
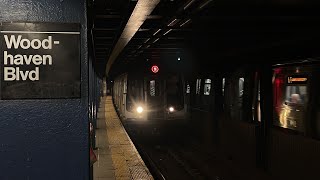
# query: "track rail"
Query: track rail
{"points": [[164, 157]]}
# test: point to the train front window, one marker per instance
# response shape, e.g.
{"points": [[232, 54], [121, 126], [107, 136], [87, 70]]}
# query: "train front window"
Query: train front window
{"points": [[295, 95], [198, 85], [207, 87], [174, 89], [134, 93]]}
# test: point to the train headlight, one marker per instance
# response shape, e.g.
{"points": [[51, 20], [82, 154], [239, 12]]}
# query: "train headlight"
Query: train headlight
{"points": [[139, 109], [171, 109]]}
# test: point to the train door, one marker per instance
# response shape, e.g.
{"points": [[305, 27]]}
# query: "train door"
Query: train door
{"points": [[290, 89], [124, 94], [233, 94], [155, 97]]}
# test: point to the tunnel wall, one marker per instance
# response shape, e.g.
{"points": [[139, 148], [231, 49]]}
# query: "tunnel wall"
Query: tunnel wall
{"points": [[47, 138]]}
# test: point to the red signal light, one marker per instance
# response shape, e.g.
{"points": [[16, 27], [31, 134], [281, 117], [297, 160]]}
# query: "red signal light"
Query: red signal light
{"points": [[154, 69]]}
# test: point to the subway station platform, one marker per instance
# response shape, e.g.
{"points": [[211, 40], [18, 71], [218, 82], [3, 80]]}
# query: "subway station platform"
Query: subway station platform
{"points": [[117, 156]]}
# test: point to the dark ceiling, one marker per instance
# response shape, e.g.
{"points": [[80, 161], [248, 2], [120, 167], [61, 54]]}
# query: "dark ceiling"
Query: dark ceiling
{"points": [[129, 33]]}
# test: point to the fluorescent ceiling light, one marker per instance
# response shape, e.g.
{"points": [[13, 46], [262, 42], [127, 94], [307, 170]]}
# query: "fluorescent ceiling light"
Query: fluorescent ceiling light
{"points": [[167, 31], [204, 4], [186, 22], [156, 31], [155, 40], [188, 4], [146, 40], [173, 22]]}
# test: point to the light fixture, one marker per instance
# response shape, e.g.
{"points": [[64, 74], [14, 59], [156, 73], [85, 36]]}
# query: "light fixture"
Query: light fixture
{"points": [[146, 40], [167, 31], [185, 22], [156, 31], [171, 109], [188, 4], [155, 40], [179, 58], [173, 22], [139, 109], [204, 4]]}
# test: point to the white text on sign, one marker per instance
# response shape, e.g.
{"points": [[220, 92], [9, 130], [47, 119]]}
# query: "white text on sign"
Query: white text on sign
{"points": [[11, 61]]}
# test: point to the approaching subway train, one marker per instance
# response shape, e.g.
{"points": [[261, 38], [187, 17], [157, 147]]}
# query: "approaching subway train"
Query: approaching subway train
{"points": [[141, 96]]}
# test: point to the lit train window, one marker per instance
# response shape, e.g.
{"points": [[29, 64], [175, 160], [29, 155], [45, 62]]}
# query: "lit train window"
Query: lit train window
{"points": [[296, 94], [241, 87], [258, 105], [223, 84], [188, 88], [198, 85], [256, 110], [152, 88], [125, 87], [207, 86], [239, 109]]}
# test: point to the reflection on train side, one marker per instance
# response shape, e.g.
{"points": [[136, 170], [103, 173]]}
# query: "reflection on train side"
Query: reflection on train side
{"points": [[293, 108]]}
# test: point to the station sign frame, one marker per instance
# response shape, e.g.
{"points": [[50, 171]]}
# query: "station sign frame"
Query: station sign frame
{"points": [[40, 60]]}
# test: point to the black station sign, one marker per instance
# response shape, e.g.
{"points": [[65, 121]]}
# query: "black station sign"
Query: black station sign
{"points": [[40, 60]]}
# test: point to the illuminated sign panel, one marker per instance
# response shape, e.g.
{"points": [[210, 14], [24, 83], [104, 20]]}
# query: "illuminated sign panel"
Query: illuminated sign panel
{"points": [[39, 60], [154, 69], [297, 79]]}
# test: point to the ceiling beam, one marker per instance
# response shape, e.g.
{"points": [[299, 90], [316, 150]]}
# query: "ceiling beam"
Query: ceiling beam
{"points": [[140, 13]]}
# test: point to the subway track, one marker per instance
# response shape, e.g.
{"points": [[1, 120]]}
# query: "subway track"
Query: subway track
{"points": [[170, 152]]}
